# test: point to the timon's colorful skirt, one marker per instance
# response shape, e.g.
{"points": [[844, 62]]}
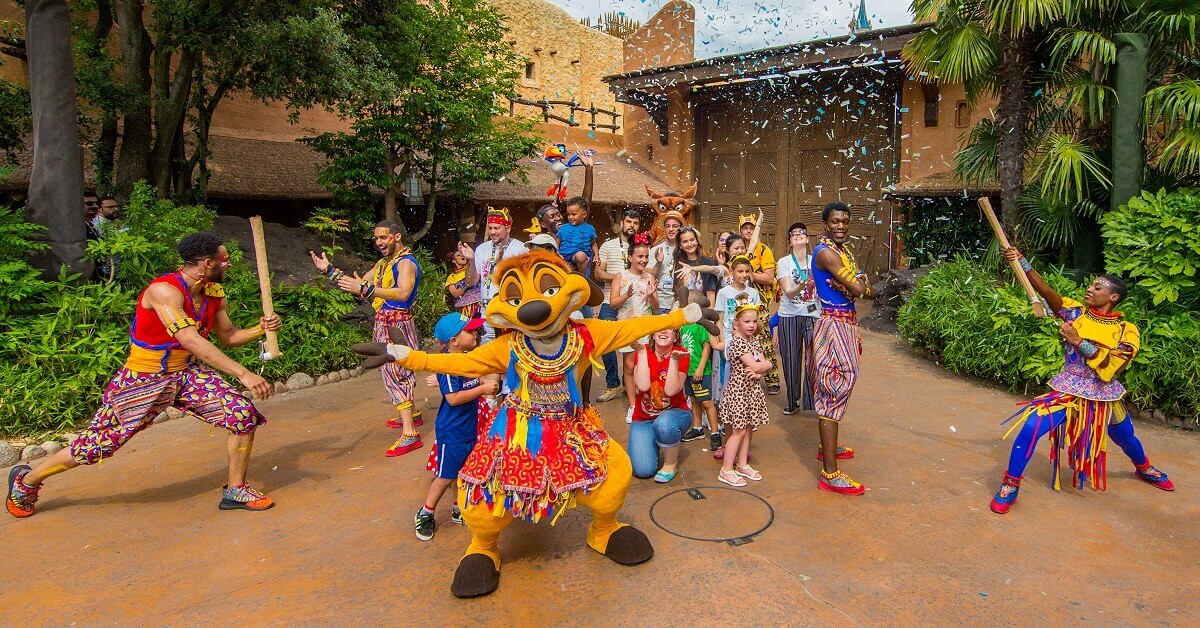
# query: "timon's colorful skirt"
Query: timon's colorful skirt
{"points": [[529, 461]]}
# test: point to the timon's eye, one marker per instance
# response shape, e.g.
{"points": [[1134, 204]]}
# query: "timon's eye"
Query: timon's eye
{"points": [[551, 291], [514, 302]]}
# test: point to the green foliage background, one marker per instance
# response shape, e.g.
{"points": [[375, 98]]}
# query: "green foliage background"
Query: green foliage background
{"points": [[978, 325], [1155, 240], [61, 341], [938, 229]]}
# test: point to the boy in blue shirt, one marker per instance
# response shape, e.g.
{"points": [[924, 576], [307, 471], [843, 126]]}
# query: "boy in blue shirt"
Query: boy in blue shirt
{"points": [[457, 418], [577, 237]]}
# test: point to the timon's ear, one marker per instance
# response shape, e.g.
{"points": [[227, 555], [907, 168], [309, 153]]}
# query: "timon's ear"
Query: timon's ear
{"points": [[597, 296], [691, 192], [652, 193]]}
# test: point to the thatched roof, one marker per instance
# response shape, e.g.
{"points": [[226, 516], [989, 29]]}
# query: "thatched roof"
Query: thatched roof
{"points": [[618, 181], [943, 184], [244, 168]]}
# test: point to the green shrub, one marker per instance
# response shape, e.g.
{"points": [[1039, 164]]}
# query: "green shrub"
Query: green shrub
{"points": [[61, 341], [1155, 241], [977, 325], [937, 229]]}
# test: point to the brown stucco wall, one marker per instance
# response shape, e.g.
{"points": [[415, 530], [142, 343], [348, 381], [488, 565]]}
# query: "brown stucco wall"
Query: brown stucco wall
{"points": [[930, 150], [569, 58], [667, 38]]}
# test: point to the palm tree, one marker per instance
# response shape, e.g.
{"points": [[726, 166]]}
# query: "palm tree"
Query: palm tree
{"points": [[987, 46], [1051, 66]]}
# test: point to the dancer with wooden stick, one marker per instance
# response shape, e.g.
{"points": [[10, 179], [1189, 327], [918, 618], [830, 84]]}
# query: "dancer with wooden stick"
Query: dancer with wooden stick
{"points": [[171, 363]]}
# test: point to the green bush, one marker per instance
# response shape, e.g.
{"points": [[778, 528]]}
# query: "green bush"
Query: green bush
{"points": [[977, 325], [60, 341], [1155, 241], [937, 229]]}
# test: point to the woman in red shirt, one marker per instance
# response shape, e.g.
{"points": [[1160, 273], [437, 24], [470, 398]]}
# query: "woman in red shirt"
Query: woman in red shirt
{"points": [[660, 413]]}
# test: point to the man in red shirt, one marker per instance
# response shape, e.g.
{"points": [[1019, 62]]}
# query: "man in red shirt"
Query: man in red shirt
{"points": [[169, 365]]}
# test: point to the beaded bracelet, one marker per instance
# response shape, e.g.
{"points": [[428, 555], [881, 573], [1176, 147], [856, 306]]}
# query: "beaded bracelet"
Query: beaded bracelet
{"points": [[365, 290], [1087, 349], [1025, 265], [333, 273]]}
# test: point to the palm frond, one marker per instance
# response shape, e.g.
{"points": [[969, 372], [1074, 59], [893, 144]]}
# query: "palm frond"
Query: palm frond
{"points": [[957, 53], [976, 159], [1073, 46], [1017, 17], [1181, 156], [1174, 103], [1169, 19], [1045, 221], [1079, 91], [1068, 168]]}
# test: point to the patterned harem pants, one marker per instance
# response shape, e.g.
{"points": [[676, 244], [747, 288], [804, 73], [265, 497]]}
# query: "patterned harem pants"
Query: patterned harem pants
{"points": [[836, 347], [133, 399], [398, 380]]}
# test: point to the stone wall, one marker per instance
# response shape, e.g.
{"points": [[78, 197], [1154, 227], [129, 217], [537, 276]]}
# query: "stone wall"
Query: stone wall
{"points": [[568, 59], [667, 38]]}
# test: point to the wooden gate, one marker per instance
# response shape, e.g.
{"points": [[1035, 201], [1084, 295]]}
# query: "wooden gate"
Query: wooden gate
{"points": [[825, 138]]}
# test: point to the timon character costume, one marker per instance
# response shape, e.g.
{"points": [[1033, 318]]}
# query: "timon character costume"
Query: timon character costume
{"points": [[544, 450], [1083, 408]]}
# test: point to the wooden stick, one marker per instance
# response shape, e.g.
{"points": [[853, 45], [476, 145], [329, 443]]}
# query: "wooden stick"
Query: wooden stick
{"points": [[1035, 300], [264, 286]]}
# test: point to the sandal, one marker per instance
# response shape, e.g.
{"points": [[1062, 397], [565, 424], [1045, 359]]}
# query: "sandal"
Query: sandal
{"points": [[662, 477], [747, 472], [732, 478]]}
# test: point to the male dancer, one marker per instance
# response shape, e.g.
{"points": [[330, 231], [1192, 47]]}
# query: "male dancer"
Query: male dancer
{"points": [[611, 260], [168, 365], [762, 273], [391, 288], [483, 260], [836, 342], [1084, 403]]}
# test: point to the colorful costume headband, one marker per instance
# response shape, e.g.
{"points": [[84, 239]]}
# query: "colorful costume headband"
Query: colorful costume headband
{"points": [[535, 227], [499, 217], [740, 258], [749, 218], [641, 238]]}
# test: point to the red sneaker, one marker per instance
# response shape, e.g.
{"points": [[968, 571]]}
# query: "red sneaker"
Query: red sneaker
{"points": [[244, 497], [1154, 477], [396, 423], [405, 444], [840, 483], [843, 453]]}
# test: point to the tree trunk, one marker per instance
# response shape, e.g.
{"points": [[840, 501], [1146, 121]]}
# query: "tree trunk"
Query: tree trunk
{"points": [[430, 205], [105, 149], [389, 190], [173, 98], [56, 179], [1011, 112], [133, 162]]}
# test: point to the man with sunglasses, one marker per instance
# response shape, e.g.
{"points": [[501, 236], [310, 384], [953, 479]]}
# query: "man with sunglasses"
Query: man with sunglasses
{"points": [[171, 363]]}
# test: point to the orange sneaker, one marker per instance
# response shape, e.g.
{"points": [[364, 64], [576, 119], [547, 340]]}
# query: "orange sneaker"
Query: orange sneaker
{"points": [[21, 498], [244, 497]]}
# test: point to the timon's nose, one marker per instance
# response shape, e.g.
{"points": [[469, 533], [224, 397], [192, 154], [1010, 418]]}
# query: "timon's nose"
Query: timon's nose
{"points": [[533, 313]]}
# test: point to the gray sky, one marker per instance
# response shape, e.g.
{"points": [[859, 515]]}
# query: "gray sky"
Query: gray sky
{"points": [[729, 26]]}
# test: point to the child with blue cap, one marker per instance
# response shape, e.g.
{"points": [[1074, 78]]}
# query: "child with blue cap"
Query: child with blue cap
{"points": [[457, 418]]}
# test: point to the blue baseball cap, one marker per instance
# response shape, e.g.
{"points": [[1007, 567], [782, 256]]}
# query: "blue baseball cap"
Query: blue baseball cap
{"points": [[451, 324]]}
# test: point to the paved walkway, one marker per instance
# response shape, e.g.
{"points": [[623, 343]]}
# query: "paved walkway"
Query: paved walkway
{"points": [[139, 540]]}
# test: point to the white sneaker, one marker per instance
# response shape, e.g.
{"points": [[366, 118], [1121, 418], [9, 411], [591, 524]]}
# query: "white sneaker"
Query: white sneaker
{"points": [[610, 393], [629, 415]]}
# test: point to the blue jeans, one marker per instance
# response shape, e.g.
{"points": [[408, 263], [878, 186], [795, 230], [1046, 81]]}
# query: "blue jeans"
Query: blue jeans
{"points": [[612, 367], [645, 437]]}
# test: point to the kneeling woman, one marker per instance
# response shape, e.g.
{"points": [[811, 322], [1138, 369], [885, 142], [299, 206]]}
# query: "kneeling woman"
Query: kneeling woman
{"points": [[660, 411]]}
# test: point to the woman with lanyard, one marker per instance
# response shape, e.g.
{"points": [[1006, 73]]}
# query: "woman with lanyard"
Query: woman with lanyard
{"points": [[798, 314]]}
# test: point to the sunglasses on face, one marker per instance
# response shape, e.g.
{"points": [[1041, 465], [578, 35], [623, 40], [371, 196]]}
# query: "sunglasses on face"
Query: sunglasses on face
{"points": [[797, 232]]}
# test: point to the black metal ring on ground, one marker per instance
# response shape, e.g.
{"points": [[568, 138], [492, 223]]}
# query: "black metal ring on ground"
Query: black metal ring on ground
{"points": [[695, 493]]}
